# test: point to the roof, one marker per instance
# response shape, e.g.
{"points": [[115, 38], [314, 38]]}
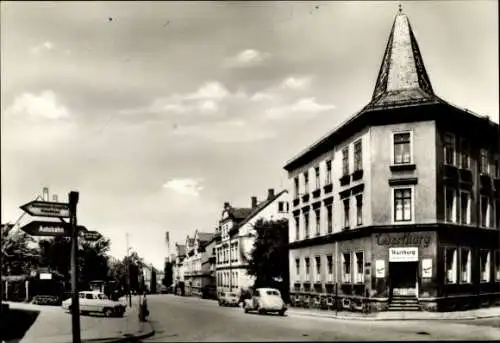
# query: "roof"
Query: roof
{"points": [[262, 205], [205, 236], [181, 249], [239, 213], [402, 82]]}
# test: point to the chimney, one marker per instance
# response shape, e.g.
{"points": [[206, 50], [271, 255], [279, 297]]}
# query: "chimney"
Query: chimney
{"points": [[226, 205], [254, 202], [270, 193]]}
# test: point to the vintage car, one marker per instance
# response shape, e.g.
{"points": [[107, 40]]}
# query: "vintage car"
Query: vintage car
{"points": [[265, 300], [95, 301], [228, 299]]}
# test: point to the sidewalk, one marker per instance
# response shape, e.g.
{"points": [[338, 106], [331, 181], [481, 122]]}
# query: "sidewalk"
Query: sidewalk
{"points": [[53, 325], [399, 315]]}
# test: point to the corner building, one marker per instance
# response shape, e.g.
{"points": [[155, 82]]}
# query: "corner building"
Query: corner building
{"points": [[399, 207]]}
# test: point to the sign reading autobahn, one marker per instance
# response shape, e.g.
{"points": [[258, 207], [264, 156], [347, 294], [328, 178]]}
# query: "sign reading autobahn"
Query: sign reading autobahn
{"points": [[39, 228], [47, 209]]}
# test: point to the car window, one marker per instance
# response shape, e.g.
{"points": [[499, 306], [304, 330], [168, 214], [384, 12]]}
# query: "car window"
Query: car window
{"points": [[82, 295], [102, 296], [88, 296], [272, 293], [257, 293]]}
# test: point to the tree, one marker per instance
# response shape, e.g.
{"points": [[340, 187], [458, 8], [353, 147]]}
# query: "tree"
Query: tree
{"points": [[270, 261], [168, 274], [17, 256]]}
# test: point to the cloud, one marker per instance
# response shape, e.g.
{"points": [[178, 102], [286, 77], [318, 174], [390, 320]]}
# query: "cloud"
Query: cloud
{"points": [[304, 106], [45, 46], [44, 105], [205, 99], [229, 131], [186, 186], [247, 58], [298, 83]]}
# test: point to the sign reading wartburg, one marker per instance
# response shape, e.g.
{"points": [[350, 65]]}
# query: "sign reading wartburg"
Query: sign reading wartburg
{"points": [[46, 209]]}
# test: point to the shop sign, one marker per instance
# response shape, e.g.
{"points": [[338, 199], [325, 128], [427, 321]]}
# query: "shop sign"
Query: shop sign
{"points": [[408, 238], [379, 268], [403, 254]]}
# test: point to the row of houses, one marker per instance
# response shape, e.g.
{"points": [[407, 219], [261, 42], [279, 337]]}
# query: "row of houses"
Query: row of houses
{"points": [[219, 259], [398, 206]]}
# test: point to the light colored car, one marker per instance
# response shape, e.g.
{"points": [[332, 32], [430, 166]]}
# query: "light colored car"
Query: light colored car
{"points": [[228, 299], [265, 300], [94, 301]]}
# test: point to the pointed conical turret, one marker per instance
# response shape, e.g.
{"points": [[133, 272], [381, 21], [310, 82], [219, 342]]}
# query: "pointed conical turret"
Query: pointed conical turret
{"points": [[402, 79]]}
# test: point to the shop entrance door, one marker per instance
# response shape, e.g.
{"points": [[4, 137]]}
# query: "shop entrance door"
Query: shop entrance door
{"points": [[404, 276]]}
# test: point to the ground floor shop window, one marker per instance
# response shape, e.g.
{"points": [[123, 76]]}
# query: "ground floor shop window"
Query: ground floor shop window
{"points": [[465, 265], [451, 265], [346, 262], [484, 258], [359, 261]]}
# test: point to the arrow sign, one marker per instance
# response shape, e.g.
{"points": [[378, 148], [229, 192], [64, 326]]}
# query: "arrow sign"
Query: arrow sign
{"points": [[91, 235], [39, 228], [46, 209]]}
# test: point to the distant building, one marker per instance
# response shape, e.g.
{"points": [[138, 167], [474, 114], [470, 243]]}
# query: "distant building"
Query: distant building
{"points": [[400, 205], [178, 266], [196, 276], [235, 238]]}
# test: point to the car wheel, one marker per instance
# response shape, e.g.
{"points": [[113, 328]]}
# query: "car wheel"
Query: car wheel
{"points": [[70, 309], [281, 313], [108, 312], [220, 303]]}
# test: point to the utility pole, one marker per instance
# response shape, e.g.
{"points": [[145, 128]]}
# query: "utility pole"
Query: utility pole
{"points": [[75, 306], [128, 272]]}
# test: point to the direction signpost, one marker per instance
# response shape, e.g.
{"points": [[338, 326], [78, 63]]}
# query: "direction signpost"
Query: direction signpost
{"points": [[71, 229], [91, 236]]}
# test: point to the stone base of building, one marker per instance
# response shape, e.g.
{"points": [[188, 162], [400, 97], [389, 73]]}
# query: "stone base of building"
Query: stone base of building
{"points": [[370, 305]]}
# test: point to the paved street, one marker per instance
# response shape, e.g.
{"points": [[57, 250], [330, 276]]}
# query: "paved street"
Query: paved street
{"points": [[192, 319]]}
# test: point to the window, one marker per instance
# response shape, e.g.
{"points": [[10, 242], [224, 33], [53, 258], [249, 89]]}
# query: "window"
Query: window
{"points": [[484, 259], [484, 211], [329, 262], [296, 186], [297, 228], [306, 224], [465, 152], [88, 296], [283, 207], [465, 263], [346, 213], [318, 265], [465, 208], [280, 206], [318, 221], [345, 161], [306, 260], [316, 172], [358, 156], [359, 209], [449, 149], [297, 266], [306, 182], [329, 219], [402, 149], [346, 261], [328, 172], [451, 265], [450, 204], [402, 205], [483, 166], [359, 267], [497, 265]]}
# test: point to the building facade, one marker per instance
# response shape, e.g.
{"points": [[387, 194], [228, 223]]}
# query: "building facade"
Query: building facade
{"points": [[235, 237], [399, 207], [178, 268], [198, 252]]}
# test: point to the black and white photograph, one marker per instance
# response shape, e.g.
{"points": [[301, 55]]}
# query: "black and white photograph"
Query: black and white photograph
{"points": [[236, 171]]}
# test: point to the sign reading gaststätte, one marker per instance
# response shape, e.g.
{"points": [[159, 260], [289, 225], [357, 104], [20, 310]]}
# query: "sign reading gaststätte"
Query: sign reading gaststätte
{"points": [[47, 209]]}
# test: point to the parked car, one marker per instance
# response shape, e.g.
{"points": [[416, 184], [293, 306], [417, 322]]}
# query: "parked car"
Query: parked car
{"points": [[228, 299], [265, 300], [95, 301]]}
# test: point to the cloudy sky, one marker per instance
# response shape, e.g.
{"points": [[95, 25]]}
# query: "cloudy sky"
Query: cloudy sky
{"points": [[158, 113]]}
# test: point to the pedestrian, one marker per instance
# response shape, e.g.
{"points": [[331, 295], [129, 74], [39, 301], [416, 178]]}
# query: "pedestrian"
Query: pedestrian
{"points": [[143, 309]]}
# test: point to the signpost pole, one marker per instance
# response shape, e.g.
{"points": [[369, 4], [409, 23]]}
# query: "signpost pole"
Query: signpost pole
{"points": [[75, 306]]}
